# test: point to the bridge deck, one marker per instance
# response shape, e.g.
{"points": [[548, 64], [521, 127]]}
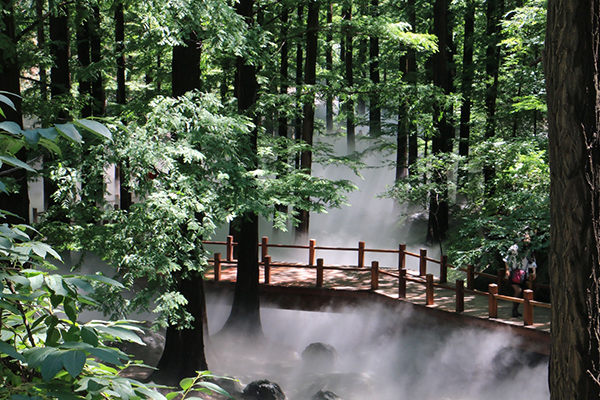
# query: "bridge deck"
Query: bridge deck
{"points": [[444, 299]]}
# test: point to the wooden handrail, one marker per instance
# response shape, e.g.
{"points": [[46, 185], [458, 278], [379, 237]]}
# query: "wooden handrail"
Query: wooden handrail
{"points": [[423, 278]]}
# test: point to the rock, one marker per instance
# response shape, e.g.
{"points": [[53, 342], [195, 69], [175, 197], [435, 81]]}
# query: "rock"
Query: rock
{"points": [[319, 357], [263, 390], [325, 395], [345, 385], [231, 386]]}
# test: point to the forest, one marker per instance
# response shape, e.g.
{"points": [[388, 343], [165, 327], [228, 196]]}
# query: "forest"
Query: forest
{"points": [[204, 114]]}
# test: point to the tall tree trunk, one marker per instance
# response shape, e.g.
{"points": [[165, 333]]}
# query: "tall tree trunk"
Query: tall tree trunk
{"points": [[284, 70], [41, 42], [442, 141], [17, 203], [244, 318], [184, 353], [329, 67], [83, 56], [98, 91], [349, 72], [467, 80], [374, 106], [60, 73], [494, 12], [308, 124], [299, 74], [573, 93]]}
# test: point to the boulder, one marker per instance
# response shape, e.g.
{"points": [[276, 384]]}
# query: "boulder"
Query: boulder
{"points": [[231, 386], [263, 390], [325, 395], [319, 357]]}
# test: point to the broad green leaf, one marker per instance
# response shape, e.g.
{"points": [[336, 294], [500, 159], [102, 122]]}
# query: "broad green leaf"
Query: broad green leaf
{"points": [[71, 309], [75, 346], [95, 127], [151, 394], [172, 395], [120, 333], [19, 279], [48, 133], [89, 335], [32, 136], [186, 383], [108, 355], [73, 361], [7, 349], [36, 281], [79, 283], [214, 388], [37, 355], [70, 132], [55, 283], [51, 365], [104, 279], [56, 299], [6, 100], [3, 188], [8, 306], [11, 127], [15, 162]]}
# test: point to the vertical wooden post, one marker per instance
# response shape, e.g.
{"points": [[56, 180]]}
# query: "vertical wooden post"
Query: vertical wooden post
{"points": [[401, 257], [429, 289], [470, 277], [229, 248], [423, 263], [361, 254], [320, 272], [374, 275], [402, 283], [528, 307], [312, 252], [217, 267], [493, 300], [264, 248], [444, 269], [460, 295], [35, 215], [267, 265]]}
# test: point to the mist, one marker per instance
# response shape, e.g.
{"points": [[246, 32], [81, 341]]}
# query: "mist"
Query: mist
{"points": [[381, 354]]}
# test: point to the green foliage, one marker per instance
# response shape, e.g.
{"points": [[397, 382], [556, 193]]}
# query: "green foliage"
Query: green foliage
{"points": [[198, 384]]}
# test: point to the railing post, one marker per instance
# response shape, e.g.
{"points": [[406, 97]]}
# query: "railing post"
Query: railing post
{"points": [[493, 300], [320, 272], [528, 307], [264, 248], [374, 275], [460, 295], [229, 248], [361, 254], [423, 263], [444, 269], [312, 243], [402, 283], [429, 289], [267, 262], [401, 257], [470, 277], [217, 267]]}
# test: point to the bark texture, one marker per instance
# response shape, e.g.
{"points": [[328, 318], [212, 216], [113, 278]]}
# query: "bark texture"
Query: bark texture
{"points": [[571, 63]]}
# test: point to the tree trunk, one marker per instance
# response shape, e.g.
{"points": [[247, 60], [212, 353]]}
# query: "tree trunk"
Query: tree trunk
{"points": [[41, 42], [299, 74], [98, 92], [185, 72], [374, 106], [120, 52], [244, 318], [329, 67], [308, 122], [83, 56], [17, 203], [349, 71], [60, 73], [467, 79], [573, 92]]}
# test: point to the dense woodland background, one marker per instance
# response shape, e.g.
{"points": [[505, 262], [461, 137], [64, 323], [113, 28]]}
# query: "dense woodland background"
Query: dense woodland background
{"points": [[211, 111]]}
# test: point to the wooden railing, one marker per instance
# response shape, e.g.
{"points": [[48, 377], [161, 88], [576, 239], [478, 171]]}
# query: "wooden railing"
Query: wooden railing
{"points": [[400, 273]]}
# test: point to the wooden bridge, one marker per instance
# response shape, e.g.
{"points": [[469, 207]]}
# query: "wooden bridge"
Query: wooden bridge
{"points": [[453, 292]]}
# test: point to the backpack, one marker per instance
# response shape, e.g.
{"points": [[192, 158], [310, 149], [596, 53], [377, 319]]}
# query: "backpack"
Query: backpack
{"points": [[517, 276]]}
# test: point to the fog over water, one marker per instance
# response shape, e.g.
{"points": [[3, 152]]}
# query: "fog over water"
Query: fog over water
{"points": [[381, 355]]}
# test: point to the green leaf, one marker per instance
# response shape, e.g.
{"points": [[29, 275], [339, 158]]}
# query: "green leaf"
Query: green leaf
{"points": [[15, 162], [71, 309], [95, 127], [48, 133], [89, 335], [7, 349], [104, 279], [36, 281], [73, 361], [120, 333], [6, 100], [70, 132], [214, 388], [51, 365], [108, 355], [186, 383], [172, 395], [32, 136], [11, 127], [37, 355], [55, 283], [55, 300], [8, 306]]}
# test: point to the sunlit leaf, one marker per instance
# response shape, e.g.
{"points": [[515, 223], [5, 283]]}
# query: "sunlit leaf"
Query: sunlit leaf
{"points": [[15, 162], [70, 132], [73, 361], [95, 127]]}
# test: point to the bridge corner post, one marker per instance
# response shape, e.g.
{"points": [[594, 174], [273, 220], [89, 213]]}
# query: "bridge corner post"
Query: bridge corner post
{"points": [[470, 277], [444, 269], [374, 275], [217, 267], [264, 248], [423, 262], [460, 295], [402, 283], [312, 251], [320, 270], [229, 248], [429, 289], [527, 307], [267, 265], [361, 254], [401, 257], [493, 300]]}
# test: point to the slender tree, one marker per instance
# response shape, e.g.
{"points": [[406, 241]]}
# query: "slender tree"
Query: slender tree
{"points": [[573, 93], [466, 85], [349, 75], [329, 67], [60, 73], [374, 75]]}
